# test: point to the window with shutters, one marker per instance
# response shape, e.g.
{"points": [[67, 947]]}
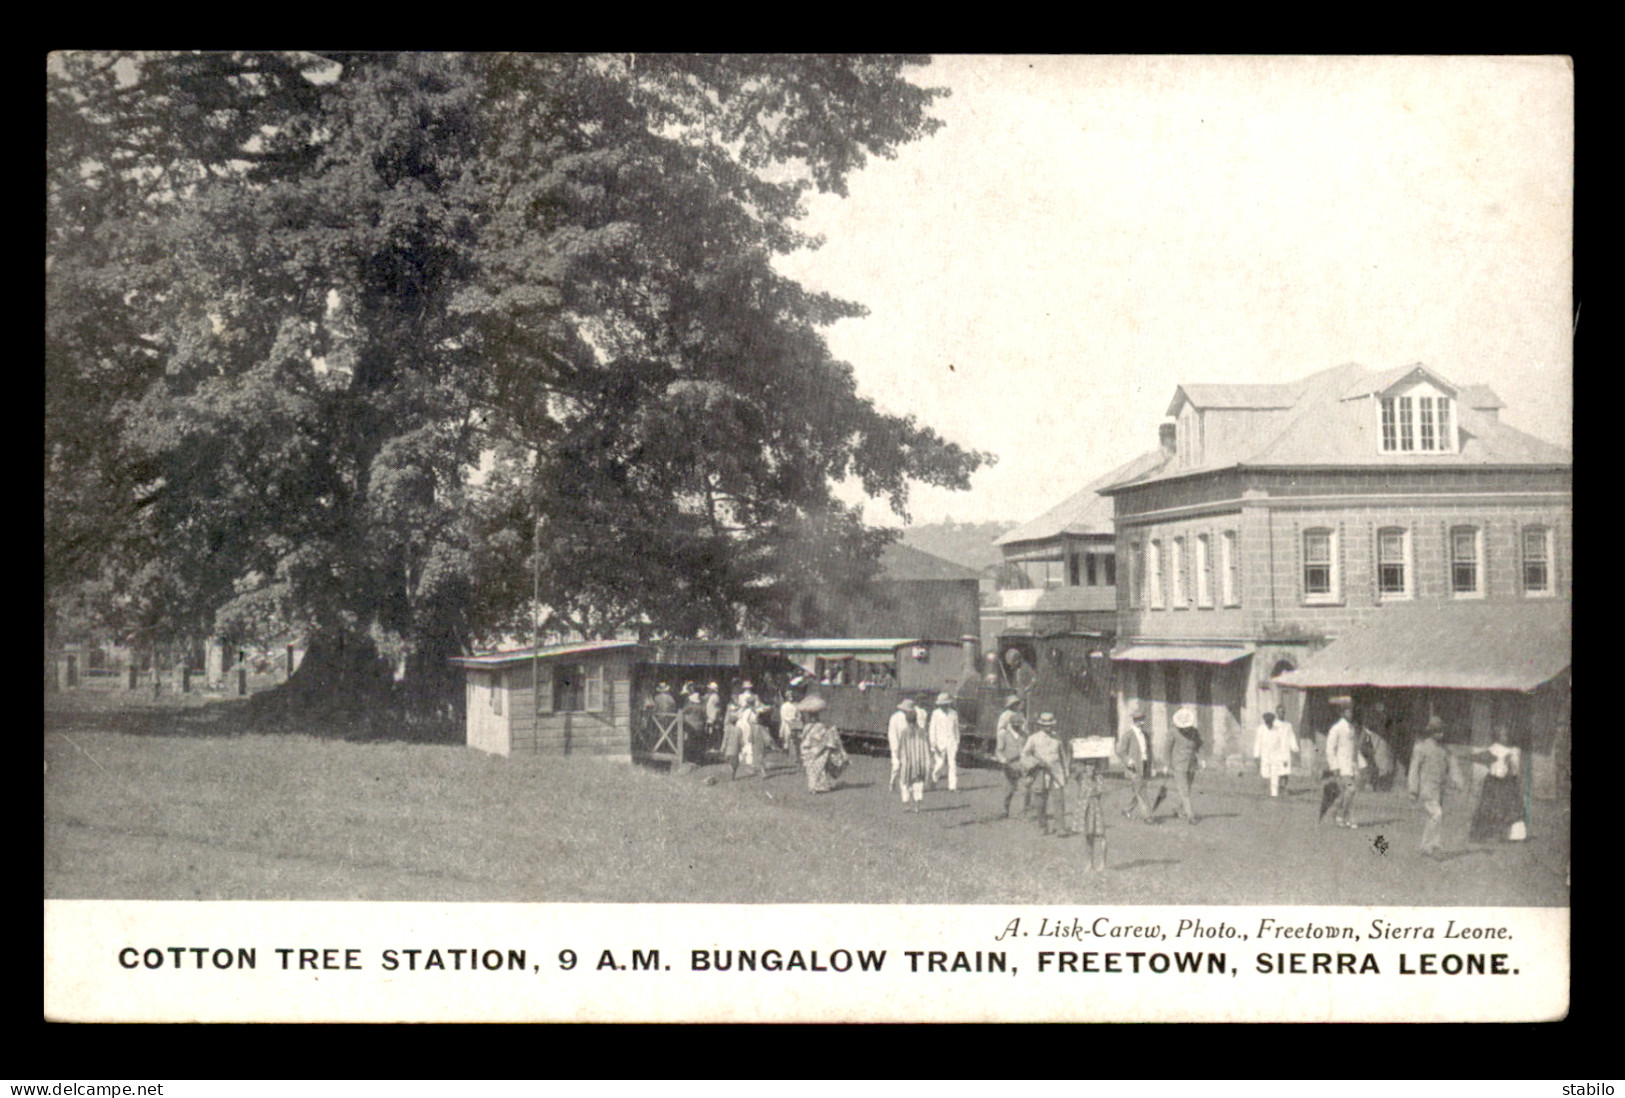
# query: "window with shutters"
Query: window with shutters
{"points": [[1229, 569], [594, 693], [1176, 576], [1153, 575], [1204, 568]]}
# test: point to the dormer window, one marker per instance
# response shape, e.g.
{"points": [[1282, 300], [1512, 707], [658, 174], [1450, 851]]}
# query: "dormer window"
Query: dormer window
{"points": [[1418, 421]]}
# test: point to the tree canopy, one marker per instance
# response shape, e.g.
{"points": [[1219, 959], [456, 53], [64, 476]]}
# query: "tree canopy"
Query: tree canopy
{"points": [[327, 335]]}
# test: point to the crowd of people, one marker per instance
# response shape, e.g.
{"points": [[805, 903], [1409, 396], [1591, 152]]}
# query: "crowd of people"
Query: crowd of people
{"points": [[1039, 761]]}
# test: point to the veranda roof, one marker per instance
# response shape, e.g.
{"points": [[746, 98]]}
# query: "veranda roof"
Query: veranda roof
{"points": [[1511, 645]]}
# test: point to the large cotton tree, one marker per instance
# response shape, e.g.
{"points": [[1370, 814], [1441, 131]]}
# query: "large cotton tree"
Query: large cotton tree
{"points": [[331, 337]]}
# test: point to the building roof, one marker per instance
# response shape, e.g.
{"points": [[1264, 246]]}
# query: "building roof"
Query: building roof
{"points": [[519, 655], [1234, 396], [834, 645], [1380, 381], [1332, 421], [904, 562], [1085, 511], [1452, 645]]}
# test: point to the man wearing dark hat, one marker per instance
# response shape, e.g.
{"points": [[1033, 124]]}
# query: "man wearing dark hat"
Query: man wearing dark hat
{"points": [[1133, 748], [1010, 738], [944, 735], [1430, 769], [1043, 752]]}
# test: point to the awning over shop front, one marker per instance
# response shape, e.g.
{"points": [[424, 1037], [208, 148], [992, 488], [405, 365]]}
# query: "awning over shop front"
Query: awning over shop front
{"points": [[1453, 645], [1193, 653]]}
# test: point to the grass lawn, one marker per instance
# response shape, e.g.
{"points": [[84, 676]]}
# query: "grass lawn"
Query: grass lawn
{"points": [[165, 801]]}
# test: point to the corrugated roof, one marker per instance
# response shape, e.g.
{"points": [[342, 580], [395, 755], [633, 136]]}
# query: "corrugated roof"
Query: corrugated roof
{"points": [[904, 562], [1332, 424], [836, 644], [1382, 380], [1206, 395], [496, 659], [1194, 653], [1085, 511], [1513, 645]]}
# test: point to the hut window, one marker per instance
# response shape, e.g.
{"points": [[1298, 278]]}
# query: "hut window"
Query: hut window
{"points": [[568, 693], [497, 683]]}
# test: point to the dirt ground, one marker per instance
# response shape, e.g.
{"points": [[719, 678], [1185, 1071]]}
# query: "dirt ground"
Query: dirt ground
{"points": [[168, 802]]}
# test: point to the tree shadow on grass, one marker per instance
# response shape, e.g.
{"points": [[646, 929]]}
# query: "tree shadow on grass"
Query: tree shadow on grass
{"points": [[376, 717]]}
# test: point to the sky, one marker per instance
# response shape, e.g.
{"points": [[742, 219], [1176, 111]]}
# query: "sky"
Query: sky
{"points": [[1084, 234]]}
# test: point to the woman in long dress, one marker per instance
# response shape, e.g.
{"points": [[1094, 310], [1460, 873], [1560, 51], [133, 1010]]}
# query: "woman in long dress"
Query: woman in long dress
{"points": [[911, 763], [1500, 800], [822, 756]]}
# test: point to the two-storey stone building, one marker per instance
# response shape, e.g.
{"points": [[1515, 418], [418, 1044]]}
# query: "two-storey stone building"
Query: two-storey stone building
{"points": [[1374, 533]]}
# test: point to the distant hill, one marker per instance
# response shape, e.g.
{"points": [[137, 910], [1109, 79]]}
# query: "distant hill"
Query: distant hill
{"points": [[966, 543]]}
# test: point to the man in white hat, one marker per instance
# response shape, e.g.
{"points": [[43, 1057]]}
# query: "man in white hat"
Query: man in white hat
{"points": [[944, 735], [1343, 756], [1043, 752], [1184, 759], [1133, 748], [713, 714]]}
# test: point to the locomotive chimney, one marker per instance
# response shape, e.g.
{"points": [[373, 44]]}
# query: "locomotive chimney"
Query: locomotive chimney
{"points": [[970, 672]]}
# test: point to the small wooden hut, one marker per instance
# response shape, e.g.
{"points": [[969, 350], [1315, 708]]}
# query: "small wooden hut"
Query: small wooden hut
{"points": [[583, 707]]}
